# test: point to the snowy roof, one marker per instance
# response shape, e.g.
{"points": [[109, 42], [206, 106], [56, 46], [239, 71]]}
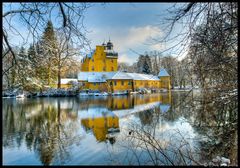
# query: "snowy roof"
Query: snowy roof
{"points": [[103, 76], [138, 76], [121, 75], [163, 72], [67, 80], [95, 76]]}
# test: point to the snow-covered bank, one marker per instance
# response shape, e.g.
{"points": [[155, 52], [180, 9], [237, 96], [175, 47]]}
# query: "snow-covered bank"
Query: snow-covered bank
{"points": [[52, 92], [187, 88], [57, 93], [48, 93], [14, 94], [120, 93], [219, 161], [94, 94]]}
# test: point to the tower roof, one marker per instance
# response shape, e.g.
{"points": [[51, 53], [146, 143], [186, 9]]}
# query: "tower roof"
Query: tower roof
{"points": [[163, 72], [109, 43]]}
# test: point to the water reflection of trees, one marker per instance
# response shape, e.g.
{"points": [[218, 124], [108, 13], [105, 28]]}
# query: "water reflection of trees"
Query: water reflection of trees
{"points": [[214, 122], [46, 131], [218, 121], [214, 119]]}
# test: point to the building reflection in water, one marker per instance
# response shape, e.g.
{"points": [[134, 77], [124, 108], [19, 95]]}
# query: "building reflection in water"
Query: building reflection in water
{"points": [[101, 124], [101, 116]]}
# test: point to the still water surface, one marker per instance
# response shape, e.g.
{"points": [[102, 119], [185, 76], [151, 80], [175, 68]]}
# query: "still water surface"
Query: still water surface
{"points": [[106, 130]]}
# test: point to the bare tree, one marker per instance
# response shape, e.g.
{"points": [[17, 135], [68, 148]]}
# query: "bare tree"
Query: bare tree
{"points": [[34, 16], [65, 53]]}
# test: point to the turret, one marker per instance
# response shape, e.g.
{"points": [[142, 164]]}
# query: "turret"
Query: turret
{"points": [[109, 50], [105, 46], [109, 45]]}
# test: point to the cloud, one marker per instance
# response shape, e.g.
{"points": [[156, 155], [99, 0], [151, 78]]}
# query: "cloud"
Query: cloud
{"points": [[125, 38], [126, 58], [138, 36], [157, 47]]}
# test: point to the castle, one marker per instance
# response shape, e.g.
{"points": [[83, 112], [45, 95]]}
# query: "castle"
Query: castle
{"points": [[99, 71]]}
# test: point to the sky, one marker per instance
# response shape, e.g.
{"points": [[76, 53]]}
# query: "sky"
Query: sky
{"points": [[129, 26]]}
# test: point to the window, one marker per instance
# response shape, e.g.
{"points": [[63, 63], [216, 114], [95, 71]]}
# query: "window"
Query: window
{"points": [[111, 60], [104, 61], [94, 84], [115, 83], [122, 83], [112, 69], [93, 68], [104, 68], [111, 83], [92, 60], [83, 84], [129, 83]]}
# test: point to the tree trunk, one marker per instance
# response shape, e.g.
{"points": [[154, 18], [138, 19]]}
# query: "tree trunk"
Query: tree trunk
{"points": [[49, 74], [59, 78]]}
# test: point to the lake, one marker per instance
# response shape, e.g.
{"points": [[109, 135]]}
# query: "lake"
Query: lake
{"points": [[173, 128]]}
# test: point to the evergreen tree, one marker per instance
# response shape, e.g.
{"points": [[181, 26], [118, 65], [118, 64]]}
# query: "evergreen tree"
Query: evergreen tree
{"points": [[34, 61], [32, 54], [23, 67], [147, 66], [47, 48], [144, 64], [140, 63]]}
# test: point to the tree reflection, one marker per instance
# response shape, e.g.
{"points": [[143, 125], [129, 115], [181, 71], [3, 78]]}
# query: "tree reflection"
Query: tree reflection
{"points": [[218, 121], [46, 131], [214, 122]]}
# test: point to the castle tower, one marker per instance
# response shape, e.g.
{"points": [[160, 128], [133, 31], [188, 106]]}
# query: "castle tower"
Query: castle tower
{"points": [[102, 59]]}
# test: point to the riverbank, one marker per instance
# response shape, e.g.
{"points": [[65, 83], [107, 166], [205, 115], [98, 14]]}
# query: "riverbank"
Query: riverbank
{"points": [[73, 92]]}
